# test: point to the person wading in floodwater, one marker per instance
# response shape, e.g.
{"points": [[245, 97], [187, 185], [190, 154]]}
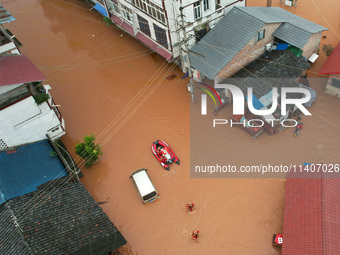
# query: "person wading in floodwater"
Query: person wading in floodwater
{"points": [[190, 206], [298, 128], [195, 234]]}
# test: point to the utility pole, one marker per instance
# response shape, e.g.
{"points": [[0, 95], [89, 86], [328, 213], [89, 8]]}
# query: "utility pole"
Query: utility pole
{"points": [[191, 80]]}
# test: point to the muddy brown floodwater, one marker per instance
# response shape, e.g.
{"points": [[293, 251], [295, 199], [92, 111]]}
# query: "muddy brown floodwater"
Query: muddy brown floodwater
{"points": [[109, 84]]}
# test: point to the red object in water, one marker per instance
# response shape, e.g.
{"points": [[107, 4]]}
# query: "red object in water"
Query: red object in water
{"points": [[278, 240], [162, 160], [190, 206], [195, 234]]}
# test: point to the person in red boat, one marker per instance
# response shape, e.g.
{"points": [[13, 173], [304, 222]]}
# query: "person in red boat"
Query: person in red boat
{"points": [[190, 206], [195, 234], [164, 154]]}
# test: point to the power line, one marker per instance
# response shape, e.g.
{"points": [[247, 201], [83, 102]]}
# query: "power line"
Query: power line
{"points": [[151, 92], [127, 118], [135, 98]]}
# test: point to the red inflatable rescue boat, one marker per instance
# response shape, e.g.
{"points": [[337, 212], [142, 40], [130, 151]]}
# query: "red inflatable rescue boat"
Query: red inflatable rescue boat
{"points": [[164, 154]]}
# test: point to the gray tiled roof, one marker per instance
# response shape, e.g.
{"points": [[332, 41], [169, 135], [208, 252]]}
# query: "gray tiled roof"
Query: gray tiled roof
{"points": [[273, 69], [238, 27], [68, 221], [11, 239]]}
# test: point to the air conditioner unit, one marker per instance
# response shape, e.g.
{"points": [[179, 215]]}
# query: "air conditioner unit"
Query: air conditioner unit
{"points": [[289, 2], [269, 47]]}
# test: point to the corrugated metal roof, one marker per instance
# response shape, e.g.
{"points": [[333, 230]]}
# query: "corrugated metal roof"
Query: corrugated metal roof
{"points": [[277, 14], [18, 69], [238, 27], [311, 215], [331, 215], [332, 64], [302, 221], [224, 41], [29, 167], [292, 35], [5, 16], [101, 9]]}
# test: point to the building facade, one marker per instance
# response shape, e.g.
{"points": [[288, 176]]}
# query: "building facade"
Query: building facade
{"points": [[158, 24], [27, 110], [246, 33]]}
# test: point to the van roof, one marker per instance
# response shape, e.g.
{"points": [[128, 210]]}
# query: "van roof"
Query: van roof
{"points": [[143, 182]]}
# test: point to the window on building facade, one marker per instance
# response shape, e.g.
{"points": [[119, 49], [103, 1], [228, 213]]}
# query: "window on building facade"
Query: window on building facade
{"points": [[218, 4], [161, 36], [150, 8], [197, 10], [206, 5], [126, 12], [144, 26], [261, 35], [201, 31], [113, 7]]}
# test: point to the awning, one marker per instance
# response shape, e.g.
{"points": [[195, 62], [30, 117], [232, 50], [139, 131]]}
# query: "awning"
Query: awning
{"points": [[18, 69], [256, 103], [101, 9], [5, 16]]}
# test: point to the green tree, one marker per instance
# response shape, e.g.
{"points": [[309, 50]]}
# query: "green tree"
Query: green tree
{"points": [[88, 150]]}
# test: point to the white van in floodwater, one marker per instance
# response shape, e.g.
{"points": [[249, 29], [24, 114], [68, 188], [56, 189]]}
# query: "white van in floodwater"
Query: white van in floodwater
{"points": [[144, 185]]}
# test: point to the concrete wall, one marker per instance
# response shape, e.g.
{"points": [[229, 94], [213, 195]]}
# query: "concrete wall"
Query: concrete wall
{"points": [[249, 53], [313, 45], [330, 89], [26, 122]]}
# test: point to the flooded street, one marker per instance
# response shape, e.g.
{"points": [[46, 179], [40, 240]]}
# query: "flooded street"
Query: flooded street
{"points": [[109, 84]]}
